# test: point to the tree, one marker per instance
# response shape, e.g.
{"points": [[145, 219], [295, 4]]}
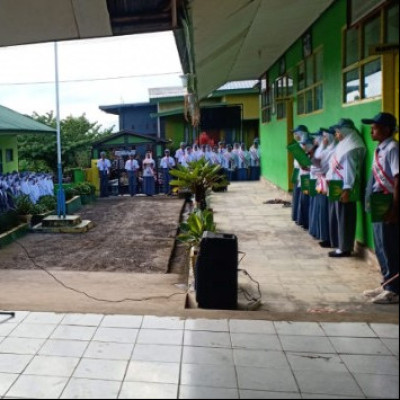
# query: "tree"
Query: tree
{"points": [[39, 151]]}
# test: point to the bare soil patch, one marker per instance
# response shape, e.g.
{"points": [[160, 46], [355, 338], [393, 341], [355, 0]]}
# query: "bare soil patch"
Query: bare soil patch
{"points": [[130, 235]]}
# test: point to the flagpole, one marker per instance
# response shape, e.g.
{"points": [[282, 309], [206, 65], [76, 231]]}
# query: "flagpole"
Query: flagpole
{"points": [[61, 211]]}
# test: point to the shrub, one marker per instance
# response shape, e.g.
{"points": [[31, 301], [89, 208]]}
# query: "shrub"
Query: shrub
{"points": [[23, 205], [48, 202], [70, 193], [38, 209], [83, 189]]}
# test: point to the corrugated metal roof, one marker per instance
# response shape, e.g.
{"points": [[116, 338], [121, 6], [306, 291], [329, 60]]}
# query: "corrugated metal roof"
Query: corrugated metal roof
{"points": [[13, 122], [239, 85], [173, 91]]}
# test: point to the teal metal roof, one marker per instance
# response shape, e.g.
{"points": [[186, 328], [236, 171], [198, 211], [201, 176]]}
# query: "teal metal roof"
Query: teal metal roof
{"points": [[13, 122]]}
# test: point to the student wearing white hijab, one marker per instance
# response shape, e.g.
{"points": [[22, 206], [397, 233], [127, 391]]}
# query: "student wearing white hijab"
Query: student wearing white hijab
{"points": [[149, 164], [329, 142], [346, 163]]}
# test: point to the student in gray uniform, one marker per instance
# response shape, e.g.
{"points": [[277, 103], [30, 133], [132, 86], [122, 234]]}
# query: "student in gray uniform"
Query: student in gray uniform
{"points": [[384, 182], [345, 167]]}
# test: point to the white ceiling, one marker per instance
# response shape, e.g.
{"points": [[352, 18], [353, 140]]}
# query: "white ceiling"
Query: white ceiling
{"points": [[240, 39], [35, 21]]}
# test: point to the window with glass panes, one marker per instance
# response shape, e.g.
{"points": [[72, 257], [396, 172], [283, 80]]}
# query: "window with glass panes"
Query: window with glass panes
{"points": [[283, 90], [309, 84], [362, 72], [266, 100]]}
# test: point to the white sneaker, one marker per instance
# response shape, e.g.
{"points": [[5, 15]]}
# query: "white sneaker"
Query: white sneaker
{"points": [[386, 297], [373, 292]]}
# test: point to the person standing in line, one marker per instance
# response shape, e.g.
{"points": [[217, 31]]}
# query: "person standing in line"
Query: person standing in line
{"points": [[346, 166], [149, 164], [180, 153], [385, 182], [255, 166], [104, 167], [326, 241], [301, 201], [132, 166], [166, 164], [243, 163]]}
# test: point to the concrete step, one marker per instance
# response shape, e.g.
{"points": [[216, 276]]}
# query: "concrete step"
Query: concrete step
{"points": [[82, 227], [54, 221]]}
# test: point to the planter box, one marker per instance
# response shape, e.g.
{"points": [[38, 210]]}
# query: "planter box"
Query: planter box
{"points": [[14, 234], [74, 205], [38, 218], [86, 199]]}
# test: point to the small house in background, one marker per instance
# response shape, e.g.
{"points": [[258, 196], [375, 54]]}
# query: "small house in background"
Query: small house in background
{"points": [[125, 142], [230, 113], [13, 124]]}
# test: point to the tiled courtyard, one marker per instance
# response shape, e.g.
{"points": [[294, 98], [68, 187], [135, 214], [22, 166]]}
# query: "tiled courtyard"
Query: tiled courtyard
{"points": [[49, 355]]}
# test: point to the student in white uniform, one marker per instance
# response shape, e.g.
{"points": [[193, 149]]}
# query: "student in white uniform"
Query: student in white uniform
{"points": [[346, 163], [104, 167], [385, 182], [132, 167], [166, 164]]}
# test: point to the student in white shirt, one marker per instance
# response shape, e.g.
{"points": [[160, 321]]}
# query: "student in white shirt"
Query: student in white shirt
{"points": [[385, 182], [149, 186], [166, 164], [132, 166], [104, 166]]}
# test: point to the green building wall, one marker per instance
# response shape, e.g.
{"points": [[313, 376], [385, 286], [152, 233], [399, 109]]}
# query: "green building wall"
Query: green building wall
{"points": [[326, 32], [9, 142]]}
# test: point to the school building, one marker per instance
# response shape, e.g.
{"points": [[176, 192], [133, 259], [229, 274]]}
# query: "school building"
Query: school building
{"points": [[317, 61]]}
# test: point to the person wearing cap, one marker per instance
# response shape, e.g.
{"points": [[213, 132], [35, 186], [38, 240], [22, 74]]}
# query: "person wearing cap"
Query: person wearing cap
{"points": [[255, 168], [345, 166], [104, 167], [166, 164], [302, 212], [385, 181], [132, 167]]}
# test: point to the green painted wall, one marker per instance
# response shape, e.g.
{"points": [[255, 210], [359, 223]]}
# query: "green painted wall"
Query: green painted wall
{"points": [[9, 142], [326, 32], [175, 131]]}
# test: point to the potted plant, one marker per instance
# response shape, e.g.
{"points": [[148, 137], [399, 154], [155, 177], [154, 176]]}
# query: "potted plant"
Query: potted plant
{"points": [[85, 191], [198, 178], [192, 231]]}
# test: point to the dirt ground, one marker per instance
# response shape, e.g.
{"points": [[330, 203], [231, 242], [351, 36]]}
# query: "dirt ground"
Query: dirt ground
{"points": [[130, 235]]}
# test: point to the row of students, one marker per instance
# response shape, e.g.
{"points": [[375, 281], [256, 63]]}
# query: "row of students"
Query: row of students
{"points": [[34, 185], [238, 162], [337, 155]]}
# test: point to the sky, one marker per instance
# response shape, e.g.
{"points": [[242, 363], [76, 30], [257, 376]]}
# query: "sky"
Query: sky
{"points": [[92, 73]]}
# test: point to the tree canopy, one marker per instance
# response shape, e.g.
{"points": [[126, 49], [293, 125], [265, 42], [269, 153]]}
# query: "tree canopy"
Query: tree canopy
{"points": [[39, 151]]}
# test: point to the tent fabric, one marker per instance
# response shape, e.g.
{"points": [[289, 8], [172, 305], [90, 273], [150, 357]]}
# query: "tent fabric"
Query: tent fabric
{"points": [[240, 39]]}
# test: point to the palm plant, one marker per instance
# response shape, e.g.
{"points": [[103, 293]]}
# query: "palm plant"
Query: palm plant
{"points": [[197, 223], [199, 177]]}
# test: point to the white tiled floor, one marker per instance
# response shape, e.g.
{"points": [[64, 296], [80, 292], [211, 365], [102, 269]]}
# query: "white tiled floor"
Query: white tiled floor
{"points": [[49, 355]]}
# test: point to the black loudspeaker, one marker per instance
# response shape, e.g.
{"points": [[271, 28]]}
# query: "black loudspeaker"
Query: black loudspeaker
{"points": [[217, 272]]}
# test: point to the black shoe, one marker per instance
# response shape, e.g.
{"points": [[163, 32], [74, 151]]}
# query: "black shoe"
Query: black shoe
{"points": [[325, 244], [338, 255]]}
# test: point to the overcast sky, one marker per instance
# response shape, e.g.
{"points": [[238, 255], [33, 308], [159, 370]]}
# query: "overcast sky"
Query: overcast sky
{"points": [[105, 71]]}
